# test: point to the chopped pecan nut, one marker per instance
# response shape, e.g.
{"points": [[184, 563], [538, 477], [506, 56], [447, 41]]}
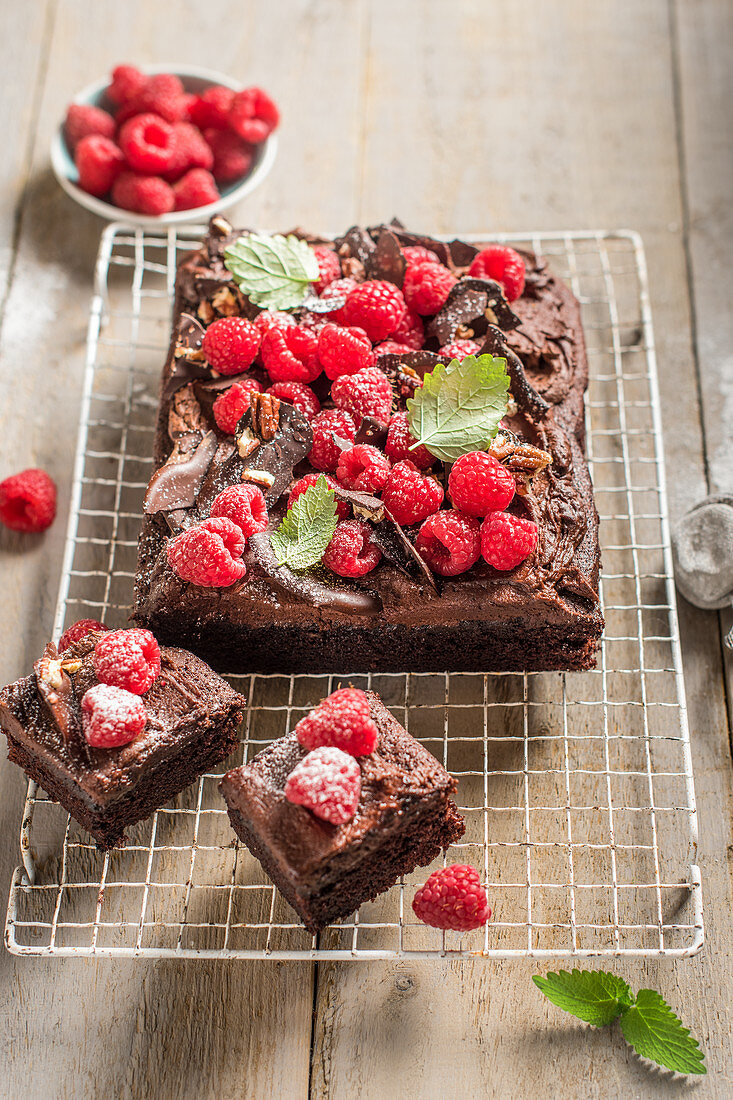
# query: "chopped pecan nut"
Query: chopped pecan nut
{"points": [[351, 268], [263, 478], [517, 455], [247, 442], [220, 226], [225, 303], [265, 415], [206, 312]]}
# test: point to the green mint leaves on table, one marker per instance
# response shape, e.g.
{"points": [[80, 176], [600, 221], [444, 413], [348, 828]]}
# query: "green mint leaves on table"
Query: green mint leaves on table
{"points": [[307, 528], [458, 407], [273, 272], [648, 1023]]}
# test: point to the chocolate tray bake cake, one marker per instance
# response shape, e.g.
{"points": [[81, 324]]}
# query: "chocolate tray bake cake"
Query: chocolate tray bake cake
{"points": [[406, 600]]}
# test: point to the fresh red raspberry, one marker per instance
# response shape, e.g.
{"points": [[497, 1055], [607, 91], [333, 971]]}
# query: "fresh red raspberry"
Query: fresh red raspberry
{"points": [[111, 716], [28, 501], [149, 144], [208, 554], [232, 156], [244, 505], [366, 393], [363, 468], [162, 95], [409, 496], [190, 150], [418, 254], [77, 631], [399, 442], [453, 898], [253, 115], [410, 331], [328, 783], [352, 551], [230, 406], [506, 540], [299, 395], [325, 454], [427, 286], [377, 307], [127, 82], [339, 288], [211, 108], [231, 344], [300, 486], [389, 347], [478, 484], [329, 267], [196, 188], [128, 659], [82, 119], [343, 720], [343, 350], [268, 319], [502, 264], [459, 349], [450, 542], [290, 354], [99, 162], [144, 194]]}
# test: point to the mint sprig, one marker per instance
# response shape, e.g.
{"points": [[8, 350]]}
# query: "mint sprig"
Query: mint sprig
{"points": [[459, 406], [273, 272], [648, 1023], [307, 528]]}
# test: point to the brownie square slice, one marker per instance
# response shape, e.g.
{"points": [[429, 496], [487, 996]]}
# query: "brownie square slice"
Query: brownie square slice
{"points": [[193, 724], [404, 819]]}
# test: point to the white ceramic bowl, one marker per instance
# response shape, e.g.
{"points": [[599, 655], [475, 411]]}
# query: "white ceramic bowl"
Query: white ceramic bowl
{"points": [[194, 80]]}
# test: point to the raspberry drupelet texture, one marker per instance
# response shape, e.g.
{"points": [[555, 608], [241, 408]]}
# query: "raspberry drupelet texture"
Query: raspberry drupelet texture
{"points": [[161, 94], [111, 716], [400, 443], [127, 82], [329, 267], [208, 554], [410, 496], [343, 350], [253, 115], [128, 659], [244, 505], [342, 508], [299, 395], [340, 288], [99, 162], [450, 542], [148, 143], [82, 120], [268, 319], [352, 551], [28, 501], [419, 254], [410, 331], [389, 347], [342, 720], [502, 264], [77, 631], [210, 109], [377, 307], [427, 286], [325, 454], [143, 194], [506, 540], [190, 151], [459, 349], [196, 188], [363, 468], [453, 898], [366, 393], [290, 354], [328, 783], [230, 406], [232, 156], [479, 484], [231, 344]]}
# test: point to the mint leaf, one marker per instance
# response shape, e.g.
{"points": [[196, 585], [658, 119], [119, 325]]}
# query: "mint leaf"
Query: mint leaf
{"points": [[306, 530], [273, 272], [458, 407], [656, 1033], [591, 995]]}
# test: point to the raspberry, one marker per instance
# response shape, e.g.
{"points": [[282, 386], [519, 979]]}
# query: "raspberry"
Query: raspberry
{"points": [[478, 484], [342, 508], [144, 194], [340, 288], [389, 347], [409, 496], [82, 120], [399, 442], [127, 82], [211, 107], [329, 267], [377, 307], [427, 286], [230, 406], [77, 631], [459, 349], [299, 395], [268, 319], [253, 115], [410, 331], [363, 468], [418, 254], [506, 540], [452, 898], [343, 720], [149, 143], [343, 350], [232, 156], [324, 453], [328, 783], [450, 542], [502, 264], [128, 659], [366, 393], [208, 554], [99, 163], [111, 716], [351, 551], [162, 95], [231, 344], [196, 188], [244, 505], [190, 150], [28, 501], [290, 354]]}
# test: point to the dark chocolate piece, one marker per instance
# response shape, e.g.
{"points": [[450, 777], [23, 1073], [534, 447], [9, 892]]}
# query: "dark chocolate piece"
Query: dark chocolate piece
{"points": [[387, 261], [176, 484], [471, 304], [276, 458]]}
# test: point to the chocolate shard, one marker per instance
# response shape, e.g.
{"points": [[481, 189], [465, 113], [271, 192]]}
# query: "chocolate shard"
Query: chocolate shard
{"points": [[462, 253], [387, 261], [177, 482], [407, 371], [472, 305], [189, 338], [57, 692], [523, 392], [185, 418], [371, 431], [355, 243], [270, 463], [440, 248], [183, 372]]}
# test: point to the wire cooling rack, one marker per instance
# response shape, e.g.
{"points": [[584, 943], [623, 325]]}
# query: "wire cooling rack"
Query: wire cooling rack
{"points": [[576, 788]]}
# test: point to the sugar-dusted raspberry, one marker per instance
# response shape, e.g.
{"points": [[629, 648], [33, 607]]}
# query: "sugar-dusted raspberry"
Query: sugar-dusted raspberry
{"points": [[268, 319], [244, 505], [363, 468], [300, 486], [366, 393], [352, 552], [324, 453], [478, 484], [128, 659], [196, 188], [343, 350], [82, 120], [329, 267], [343, 720], [211, 107], [161, 94], [298, 394], [144, 194], [253, 115], [149, 143], [232, 156], [230, 406], [127, 82], [99, 162], [389, 347], [450, 542], [410, 496], [453, 898], [111, 716], [290, 354], [28, 501], [231, 344], [328, 783], [506, 540], [337, 290], [77, 631], [418, 254], [502, 264], [410, 331], [377, 307], [427, 286], [209, 554], [399, 442], [459, 349]]}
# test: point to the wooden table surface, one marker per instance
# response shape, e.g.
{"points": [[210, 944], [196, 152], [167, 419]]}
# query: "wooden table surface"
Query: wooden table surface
{"points": [[457, 115]]}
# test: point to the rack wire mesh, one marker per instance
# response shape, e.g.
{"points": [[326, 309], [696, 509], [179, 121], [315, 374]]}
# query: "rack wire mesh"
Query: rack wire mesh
{"points": [[577, 788]]}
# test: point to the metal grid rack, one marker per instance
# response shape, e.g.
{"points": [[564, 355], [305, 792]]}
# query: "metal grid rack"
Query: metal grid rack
{"points": [[577, 788]]}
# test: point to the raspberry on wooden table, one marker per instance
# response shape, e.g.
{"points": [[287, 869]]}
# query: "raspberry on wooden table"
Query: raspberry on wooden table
{"points": [[328, 783], [363, 468], [427, 286], [142, 194], [232, 156], [352, 552], [253, 115], [502, 264], [479, 484], [459, 349], [231, 344], [128, 659], [208, 554], [149, 144], [127, 82], [418, 254], [410, 331], [342, 508], [376, 306], [342, 720], [366, 393], [329, 267], [290, 354], [453, 898], [324, 453], [28, 501], [506, 540], [297, 394], [196, 188], [77, 631], [400, 441], [82, 120], [244, 505], [450, 542], [111, 716], [211, 108], [230, 406], [410, 496], [343, 350], [99, 162]]}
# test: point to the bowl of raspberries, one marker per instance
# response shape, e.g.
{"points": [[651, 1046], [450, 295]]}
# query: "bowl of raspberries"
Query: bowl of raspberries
{"points": [[152, 146]]}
